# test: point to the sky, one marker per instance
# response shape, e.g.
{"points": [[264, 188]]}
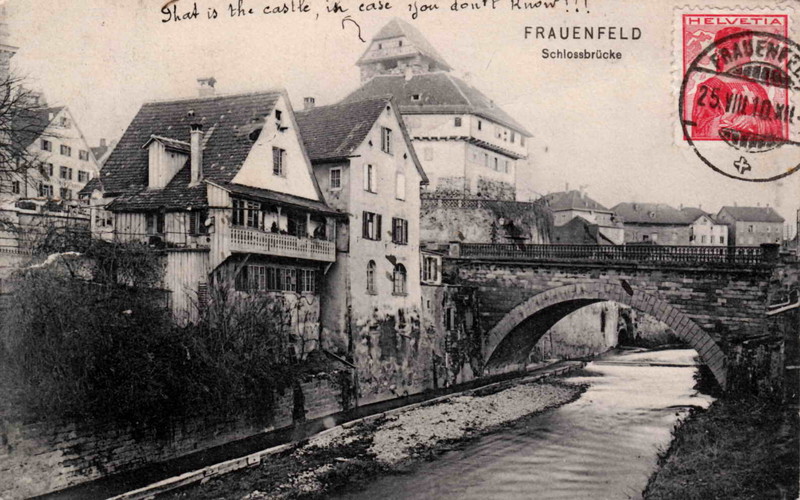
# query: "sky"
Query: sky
{"points": [[606, 126]]}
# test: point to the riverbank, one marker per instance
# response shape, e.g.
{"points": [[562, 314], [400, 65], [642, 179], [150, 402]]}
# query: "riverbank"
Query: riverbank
{"points": [[348, 456], [735, 449]]}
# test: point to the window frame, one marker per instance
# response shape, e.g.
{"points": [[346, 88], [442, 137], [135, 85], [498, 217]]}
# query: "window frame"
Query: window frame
{"points": [[83, 155], [155, 223], [399, 231], [278, 161], [16, 187], [83, 176], [331, 177], [386, 140], [399, 280], [370, 179], [47, 145], [371, 226], [457, 121], [65, 150]]}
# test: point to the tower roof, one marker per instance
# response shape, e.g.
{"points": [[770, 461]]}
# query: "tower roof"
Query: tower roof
{"points": [[397, 28]]}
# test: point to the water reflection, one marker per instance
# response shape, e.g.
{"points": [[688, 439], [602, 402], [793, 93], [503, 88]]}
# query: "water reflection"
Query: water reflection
{"points": [[604, 445]]}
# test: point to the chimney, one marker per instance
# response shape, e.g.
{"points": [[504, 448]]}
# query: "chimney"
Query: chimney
{"points": [[102, 142], [205, 86], [196, 142], [308, 103]]}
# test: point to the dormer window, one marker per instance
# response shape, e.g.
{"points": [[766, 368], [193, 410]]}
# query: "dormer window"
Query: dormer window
{"points": [[278, 115], [415, 97]]}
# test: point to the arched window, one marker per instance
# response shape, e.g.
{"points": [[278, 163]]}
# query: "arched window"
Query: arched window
{"points": [[399, 279], [371, 277]]}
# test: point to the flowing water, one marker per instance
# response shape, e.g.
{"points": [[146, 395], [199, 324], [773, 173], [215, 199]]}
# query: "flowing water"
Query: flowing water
{"points": [[601, 446]]}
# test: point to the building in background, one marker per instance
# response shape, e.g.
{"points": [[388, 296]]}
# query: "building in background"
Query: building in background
{"points": [[102, 150], [467, 144], [751, 226], [366, 168], [704, 229], [571, 204]]}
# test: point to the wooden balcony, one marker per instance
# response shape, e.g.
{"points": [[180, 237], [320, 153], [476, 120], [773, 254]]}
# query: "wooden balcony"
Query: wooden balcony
{"points": [[246, 240]]}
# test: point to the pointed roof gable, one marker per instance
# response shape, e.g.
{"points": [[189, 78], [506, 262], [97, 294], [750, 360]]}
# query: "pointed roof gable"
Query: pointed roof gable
{"points": [[439, 93], [30, 124], [753, 214], [227, 120], [398, 28], [334, 132], [572, 200]]}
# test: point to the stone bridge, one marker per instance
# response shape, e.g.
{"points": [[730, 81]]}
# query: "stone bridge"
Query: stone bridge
{"points": [[715, 299]]}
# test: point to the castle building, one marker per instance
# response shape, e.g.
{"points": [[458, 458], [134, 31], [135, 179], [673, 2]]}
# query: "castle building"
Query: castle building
{"points": [[468, 146]]}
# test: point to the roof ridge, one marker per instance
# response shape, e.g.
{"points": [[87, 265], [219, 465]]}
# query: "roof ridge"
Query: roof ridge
{"points": [[276, 90], [386, 97]]}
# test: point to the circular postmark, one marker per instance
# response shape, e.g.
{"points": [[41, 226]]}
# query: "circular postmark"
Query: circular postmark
{"points": [[737, 105]]}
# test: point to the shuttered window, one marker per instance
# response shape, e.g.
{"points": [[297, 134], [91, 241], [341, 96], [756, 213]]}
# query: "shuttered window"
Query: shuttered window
{"points": [[371, 226]]}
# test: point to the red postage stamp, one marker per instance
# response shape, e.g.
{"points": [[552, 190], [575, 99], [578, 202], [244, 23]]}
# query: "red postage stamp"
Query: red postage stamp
{"points": [[724, 99]]}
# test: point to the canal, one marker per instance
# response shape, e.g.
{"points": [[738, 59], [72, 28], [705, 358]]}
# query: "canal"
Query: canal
{"points": [[603, 445]]}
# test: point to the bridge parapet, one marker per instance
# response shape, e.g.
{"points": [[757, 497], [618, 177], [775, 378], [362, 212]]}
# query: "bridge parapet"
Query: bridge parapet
{"points": [[744, 257]]}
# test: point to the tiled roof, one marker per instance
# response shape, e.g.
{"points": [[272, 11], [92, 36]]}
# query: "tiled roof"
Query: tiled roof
{"points": [[572, 200], [331, 132], [99, 151], [753, 214], [651, 213], [227, 121], [439, 92], [29, 125], [335, 131], [397, 28], [177, 195], [93, 184]]}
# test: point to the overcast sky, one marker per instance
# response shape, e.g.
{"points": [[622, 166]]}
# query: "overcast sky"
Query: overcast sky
{"points": [[606, 125]]}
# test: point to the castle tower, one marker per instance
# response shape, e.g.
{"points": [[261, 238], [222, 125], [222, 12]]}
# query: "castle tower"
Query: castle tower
{"points": [[397, 48], [468, 145]]}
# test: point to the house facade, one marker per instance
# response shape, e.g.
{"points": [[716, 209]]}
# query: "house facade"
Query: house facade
{"points": [[661, 224], [223, 187], [467, 144], [61, 159], [752, 226], [366, 167], [567, 205]]}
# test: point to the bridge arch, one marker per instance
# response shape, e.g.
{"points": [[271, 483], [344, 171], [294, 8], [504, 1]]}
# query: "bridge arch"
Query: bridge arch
{"points": [[509, 340]]}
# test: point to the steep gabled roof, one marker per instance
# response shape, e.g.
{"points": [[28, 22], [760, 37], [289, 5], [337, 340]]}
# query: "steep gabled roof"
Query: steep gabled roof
{"points": [[439, 93], [753, 214], [334, 132], [572, 200], [29, 124], [227, 120], [651, 213], [695, 213], [398, 28]]}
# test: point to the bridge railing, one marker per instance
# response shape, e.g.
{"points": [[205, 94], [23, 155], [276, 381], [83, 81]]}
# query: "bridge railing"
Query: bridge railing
{"points": [[689, 255]]}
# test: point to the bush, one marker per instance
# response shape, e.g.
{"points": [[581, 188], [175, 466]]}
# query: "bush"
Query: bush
{"points": [[78, 348]]}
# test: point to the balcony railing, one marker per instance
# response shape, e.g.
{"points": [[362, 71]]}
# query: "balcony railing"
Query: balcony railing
{"points": [[645, 254], [255, 241]]}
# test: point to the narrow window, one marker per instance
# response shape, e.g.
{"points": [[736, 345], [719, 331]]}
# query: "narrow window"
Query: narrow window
{"points": [[47, 145], [496, 164], [399, 280], [400, 186], [480, 125], [83, 176], [83, 155], [513, 136], [62, 172], [371, 229], [399, 231], [370, 183], [278, 161], [457, 121], [155, 224], [485, 159], [371, 277], [386, 140], [197, 222], [50, 169], [15, 187], [66, 150], [336, 178]]}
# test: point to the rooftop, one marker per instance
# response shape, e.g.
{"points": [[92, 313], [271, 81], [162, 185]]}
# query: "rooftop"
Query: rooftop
{"points": [[438, 93], [398, 28], [572, 200], [753, 214]]}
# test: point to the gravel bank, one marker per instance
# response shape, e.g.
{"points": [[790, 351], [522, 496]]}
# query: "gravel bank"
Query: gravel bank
{"points": [[344, 457]]}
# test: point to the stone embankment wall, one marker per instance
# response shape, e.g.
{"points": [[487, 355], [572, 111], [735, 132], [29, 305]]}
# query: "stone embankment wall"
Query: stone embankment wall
{"points": [[41, 457]]}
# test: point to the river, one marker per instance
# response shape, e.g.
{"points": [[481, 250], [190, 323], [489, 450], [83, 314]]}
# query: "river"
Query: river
{"points": [[604, 445]]}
